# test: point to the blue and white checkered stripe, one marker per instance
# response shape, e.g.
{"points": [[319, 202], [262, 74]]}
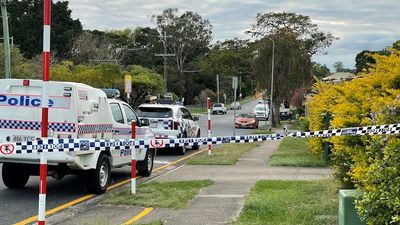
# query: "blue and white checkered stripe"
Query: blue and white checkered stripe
{"points": [[390, 129], [70, 145], [74, 145], [36, 125], [166, 123]]}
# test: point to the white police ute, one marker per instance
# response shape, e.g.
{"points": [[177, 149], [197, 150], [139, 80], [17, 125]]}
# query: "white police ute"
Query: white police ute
{"points": [[75, 111]]}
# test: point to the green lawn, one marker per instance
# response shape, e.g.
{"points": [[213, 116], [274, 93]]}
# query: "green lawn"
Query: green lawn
{"points": [[174, 195], [295, 152], [197, 110], [291, 203], [262, 131], [226, 154]]}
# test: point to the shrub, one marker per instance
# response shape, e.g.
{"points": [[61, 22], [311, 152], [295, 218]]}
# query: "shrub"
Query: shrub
{"points": [[367, 162]]}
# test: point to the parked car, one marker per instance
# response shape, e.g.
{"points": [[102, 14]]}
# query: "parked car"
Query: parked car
{"points": [[246, 120], [219, 108], [235, 105], [261, 111], [285, 114], [170, 121], [75, 111]]}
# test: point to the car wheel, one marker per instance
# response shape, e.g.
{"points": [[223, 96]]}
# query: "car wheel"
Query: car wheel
{"points": [[97, 180], [181, 150], [145, 167], [14, 175], [196, 147]]}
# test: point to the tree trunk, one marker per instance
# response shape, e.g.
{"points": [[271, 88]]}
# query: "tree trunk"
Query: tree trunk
{"points": [[275, 118]]}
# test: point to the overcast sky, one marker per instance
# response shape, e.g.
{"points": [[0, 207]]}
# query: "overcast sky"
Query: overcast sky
{"points": [[360, 24]]}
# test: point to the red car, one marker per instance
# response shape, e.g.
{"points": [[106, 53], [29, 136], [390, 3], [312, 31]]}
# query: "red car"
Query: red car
{"points": [[246, 120]]}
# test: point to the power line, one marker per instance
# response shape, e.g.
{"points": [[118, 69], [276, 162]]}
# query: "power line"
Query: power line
{"points": [[110, 12]]}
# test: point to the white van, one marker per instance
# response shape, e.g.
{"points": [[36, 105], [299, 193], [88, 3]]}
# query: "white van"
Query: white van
{"points": [[75, 111]]}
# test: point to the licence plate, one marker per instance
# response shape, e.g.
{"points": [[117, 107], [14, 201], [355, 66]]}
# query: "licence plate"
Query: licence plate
{"points": [[154, 124], [22, 138]]}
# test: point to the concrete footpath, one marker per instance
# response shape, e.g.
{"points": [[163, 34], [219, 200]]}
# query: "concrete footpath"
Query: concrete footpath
{"points": [[219, 203]]}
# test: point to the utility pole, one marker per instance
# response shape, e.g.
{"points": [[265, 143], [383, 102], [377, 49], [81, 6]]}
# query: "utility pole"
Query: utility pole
{"points": [[165, 55], [240, 88], [6, 36], [217, 88]]}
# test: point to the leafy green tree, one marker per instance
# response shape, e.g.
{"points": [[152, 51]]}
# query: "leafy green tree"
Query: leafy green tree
{"points": [[230, 58], [191, 36], [314, 41], [20, 66], [319, 70], [292, 68], [296, 39], [339, 67], [144, 82], [26, 26]]}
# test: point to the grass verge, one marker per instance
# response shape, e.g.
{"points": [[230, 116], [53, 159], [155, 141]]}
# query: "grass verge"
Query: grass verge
{"points": [[291, 202], [262, 131], [197, 110], [227, 154], [295, 152], [175, 195]]}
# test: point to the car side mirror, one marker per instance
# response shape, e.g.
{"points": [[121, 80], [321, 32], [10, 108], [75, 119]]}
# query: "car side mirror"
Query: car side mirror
{"points": [[144, 122], [196, 118]]}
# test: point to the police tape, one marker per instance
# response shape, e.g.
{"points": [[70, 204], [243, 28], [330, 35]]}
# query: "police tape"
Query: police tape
{"points": [[85, 145]]}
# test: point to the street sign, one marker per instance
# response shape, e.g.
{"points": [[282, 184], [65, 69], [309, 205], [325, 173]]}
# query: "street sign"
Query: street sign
{"points": [[234, 83], [128, 84]]}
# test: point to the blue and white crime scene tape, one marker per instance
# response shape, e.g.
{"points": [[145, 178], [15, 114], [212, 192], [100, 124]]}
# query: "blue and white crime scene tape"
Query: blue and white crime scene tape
{"points": [[75, 145]]}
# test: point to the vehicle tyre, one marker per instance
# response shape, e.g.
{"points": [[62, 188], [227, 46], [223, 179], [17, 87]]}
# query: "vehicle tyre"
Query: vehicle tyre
{"points": [[97, 180], [181, 150], [145, 167], [196, 147], [14, 175]]}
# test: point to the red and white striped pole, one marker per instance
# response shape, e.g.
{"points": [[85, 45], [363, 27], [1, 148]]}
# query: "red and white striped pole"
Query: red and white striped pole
{"points": [[42, 189], [45, 109], [133, 162], [209, 123]]}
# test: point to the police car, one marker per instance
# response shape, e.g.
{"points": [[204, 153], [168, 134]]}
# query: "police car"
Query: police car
{"points": [[75, 111], [170, 121]]}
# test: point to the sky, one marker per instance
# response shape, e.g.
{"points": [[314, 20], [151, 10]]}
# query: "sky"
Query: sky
{"points": [[360, 24]]}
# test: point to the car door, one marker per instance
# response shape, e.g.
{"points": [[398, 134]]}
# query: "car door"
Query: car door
{"points": [[121, 130], [191, 128]]}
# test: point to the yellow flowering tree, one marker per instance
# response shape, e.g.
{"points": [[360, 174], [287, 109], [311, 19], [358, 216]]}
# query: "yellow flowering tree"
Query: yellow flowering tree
{"points": [[371, 99]]}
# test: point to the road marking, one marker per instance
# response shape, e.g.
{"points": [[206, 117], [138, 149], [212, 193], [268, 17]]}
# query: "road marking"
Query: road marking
{"points": [[54, 210], [86, 197], [161, 162], [138, 216], [155, 178]]}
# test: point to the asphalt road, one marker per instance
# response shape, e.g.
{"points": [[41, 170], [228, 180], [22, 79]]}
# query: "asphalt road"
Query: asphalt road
{"points": [[17, 205]]}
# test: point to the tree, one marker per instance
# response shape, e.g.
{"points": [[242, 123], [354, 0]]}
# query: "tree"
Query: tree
{"points": [[339, 67], [296, 39], [144, 82], [26, 26], [191, 35], [273, 23], [230, 58], [364, 60], [292, 68], [20, 66], [320, 71]]}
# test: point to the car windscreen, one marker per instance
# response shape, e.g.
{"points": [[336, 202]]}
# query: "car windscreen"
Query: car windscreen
{"points": [[246, 115], [154, 112], [260, 108], [217, 105]]}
